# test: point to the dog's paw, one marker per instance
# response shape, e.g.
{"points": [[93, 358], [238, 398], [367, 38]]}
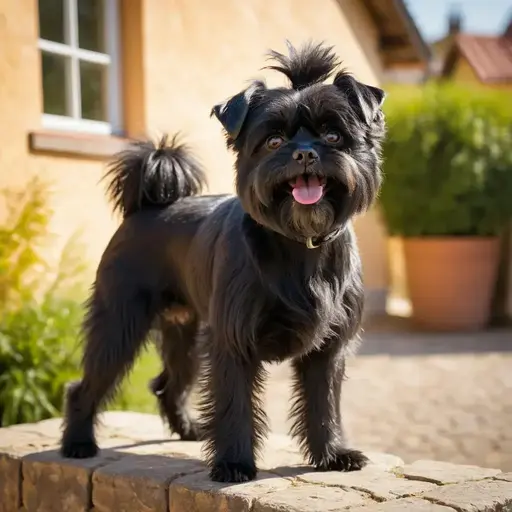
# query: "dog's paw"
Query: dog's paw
{"points": [[79, 450], [233, 472], [344, 460]]}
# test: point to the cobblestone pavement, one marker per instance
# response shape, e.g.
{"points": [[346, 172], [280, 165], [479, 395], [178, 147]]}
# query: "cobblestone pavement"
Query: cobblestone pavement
{"points": [[423, 396], [139, 469]]}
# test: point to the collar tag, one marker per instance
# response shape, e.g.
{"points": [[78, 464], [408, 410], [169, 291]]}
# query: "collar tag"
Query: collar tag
{"points": [[310, 244]]}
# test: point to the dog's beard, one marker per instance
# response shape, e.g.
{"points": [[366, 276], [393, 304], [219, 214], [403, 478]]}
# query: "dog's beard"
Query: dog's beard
{"points": [[349, 187], [306, 220]]}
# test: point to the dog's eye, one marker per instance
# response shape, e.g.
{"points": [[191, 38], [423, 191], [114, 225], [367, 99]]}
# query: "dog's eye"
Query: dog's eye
{"points": [[332, 137], [274, 142]]}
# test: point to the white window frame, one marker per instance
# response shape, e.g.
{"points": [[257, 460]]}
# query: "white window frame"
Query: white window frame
{"points": [[111, 59]]}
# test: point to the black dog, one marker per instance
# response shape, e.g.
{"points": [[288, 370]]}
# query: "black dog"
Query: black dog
{"points": [[268, 275]]}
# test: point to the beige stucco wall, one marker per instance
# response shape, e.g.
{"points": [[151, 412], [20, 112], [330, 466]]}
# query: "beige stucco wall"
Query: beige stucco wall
{"points": [[180, 58], [200, 53], [77, 199]]}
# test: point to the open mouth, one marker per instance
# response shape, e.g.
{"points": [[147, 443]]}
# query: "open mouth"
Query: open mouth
{"points": [[308, 189]]}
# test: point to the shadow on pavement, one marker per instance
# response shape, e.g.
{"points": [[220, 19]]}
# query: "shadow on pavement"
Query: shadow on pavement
{"points": [[397, 336]]}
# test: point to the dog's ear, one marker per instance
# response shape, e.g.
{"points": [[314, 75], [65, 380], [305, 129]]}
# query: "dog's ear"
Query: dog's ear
{"points": [[233, 112], [366, 100]]}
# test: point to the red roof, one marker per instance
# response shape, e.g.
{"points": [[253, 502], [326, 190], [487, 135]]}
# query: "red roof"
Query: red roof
{"points": [[489, 56]]}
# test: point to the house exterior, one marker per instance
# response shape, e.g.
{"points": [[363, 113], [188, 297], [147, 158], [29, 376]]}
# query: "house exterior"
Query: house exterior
{"points": [[78, 76], [473, 59], [439, 49], [480, 60]]}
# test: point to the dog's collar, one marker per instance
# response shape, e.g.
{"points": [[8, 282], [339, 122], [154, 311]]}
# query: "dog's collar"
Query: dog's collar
{"points": [[314, 243]]}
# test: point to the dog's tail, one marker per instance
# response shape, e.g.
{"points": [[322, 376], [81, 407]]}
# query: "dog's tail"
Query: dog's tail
{"points": [[148, 175]]}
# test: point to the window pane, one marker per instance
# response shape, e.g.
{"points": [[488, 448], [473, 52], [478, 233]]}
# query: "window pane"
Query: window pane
{"points": [[51, 20], [91, 25], [55, 99], [93, 83]]}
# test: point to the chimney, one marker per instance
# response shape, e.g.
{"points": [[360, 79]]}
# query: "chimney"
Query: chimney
{"points": [[454, 21], [508, 30]]}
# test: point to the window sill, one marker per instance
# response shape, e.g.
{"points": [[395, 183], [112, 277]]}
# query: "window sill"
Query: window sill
{"points": [[100, 147]]}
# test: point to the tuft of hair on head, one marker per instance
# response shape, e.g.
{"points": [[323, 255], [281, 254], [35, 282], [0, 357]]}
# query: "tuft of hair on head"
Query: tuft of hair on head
{"points": [[148, 175], [310, 64]]}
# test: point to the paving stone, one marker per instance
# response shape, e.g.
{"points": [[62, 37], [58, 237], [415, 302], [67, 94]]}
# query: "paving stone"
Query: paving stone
{"points": [[138, 483], [197, 493], [445, 472], [484, 496], [379, 484], [19, 442], [504, 476], [121, 444], [308, 498], [385, 461], [188, 449], [278, 451], [133, 425], [378, 461], [15, 443], [403, 505], [137, 470], [49, 428], [408, 401], [54, 484]]}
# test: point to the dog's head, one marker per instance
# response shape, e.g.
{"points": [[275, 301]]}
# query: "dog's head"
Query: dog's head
{"points": [[308, 156]]}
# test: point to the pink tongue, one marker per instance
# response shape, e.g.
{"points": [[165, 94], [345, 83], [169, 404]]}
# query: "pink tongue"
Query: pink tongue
{"points": [[307, 192]]}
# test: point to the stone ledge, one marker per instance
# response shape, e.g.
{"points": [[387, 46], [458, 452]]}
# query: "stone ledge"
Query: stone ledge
{"points": [[76, 144], [140, 469]]}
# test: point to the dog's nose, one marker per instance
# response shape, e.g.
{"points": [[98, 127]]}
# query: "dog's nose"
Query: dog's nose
{"points": [[305, 156]]}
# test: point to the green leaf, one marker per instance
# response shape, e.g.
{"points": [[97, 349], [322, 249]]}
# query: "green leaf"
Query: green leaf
{"points": [[39, 321]]}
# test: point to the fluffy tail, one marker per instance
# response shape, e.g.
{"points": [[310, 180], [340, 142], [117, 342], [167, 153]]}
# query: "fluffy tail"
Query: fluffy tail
{"points": [[146, 175]]}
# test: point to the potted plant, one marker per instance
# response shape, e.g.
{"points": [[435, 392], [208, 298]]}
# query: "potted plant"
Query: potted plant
{"points": [[448, 195]]}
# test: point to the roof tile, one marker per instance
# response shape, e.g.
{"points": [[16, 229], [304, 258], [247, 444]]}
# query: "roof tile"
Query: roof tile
{"points": [[489, 56]]}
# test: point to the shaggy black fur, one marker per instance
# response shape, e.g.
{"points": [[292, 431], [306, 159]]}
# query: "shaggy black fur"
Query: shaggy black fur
{"points": [[265, 278]]}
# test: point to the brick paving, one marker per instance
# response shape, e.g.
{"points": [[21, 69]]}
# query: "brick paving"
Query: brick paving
{"points": [[139, 469], [440, 404], [424, 395]]}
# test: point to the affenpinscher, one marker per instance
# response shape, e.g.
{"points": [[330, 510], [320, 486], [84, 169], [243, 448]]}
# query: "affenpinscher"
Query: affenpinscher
{"points": [[268, 275]]}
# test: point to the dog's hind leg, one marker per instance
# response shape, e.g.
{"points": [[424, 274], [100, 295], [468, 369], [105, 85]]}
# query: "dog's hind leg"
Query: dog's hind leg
{"points": [[114, 333], [181, 365]]}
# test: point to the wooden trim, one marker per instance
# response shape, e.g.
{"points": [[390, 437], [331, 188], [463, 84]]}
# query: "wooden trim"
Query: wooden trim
{"points": [[100, 147], [409, 45], [416, 38]]}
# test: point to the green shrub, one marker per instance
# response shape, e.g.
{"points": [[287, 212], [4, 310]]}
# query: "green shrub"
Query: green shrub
{"points": [[36, 359], [38, 319], [447, 162]]}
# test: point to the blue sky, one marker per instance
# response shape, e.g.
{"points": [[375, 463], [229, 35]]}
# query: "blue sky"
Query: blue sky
{"points": [[480, 16]]}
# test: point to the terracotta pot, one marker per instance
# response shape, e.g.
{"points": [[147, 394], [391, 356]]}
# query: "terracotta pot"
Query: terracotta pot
{"points": [[451, 281]]}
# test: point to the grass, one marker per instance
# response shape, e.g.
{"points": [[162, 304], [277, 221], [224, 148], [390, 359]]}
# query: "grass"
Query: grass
{"points": [[135, 394]]}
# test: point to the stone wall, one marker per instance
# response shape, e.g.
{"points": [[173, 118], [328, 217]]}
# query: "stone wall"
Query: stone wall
{"points": [[141, 470]]}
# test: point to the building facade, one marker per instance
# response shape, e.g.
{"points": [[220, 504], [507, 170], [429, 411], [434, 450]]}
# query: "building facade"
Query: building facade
{"points": [[79, 76]]}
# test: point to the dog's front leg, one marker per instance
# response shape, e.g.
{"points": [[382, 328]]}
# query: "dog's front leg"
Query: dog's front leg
{"points": [[234, 422], [316, 410]]}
